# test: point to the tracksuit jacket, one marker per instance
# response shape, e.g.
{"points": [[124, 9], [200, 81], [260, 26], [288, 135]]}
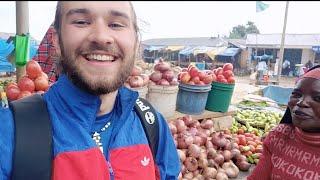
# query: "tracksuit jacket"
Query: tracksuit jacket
{"points": [[76, 156]]}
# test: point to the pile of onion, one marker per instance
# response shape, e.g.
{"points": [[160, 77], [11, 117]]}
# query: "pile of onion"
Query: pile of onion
{"points": [[137, 79], [204, 153], [163, 75]]}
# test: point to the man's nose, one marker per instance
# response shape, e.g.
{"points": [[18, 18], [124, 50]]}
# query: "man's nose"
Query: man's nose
{"points": [[101, 33]]}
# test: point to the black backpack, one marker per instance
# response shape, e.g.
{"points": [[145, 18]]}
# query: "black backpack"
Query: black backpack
{"points": [[32, 157]]}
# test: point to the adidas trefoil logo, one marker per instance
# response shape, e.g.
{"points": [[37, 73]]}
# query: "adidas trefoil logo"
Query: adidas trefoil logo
{"points": [[145, 161]]}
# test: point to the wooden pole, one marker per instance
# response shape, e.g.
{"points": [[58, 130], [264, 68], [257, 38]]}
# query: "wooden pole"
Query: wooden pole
{"points": [[282, 42], [22, 27]]}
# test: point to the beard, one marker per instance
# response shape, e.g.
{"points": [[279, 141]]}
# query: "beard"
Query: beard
{"points": [[101, 85]]}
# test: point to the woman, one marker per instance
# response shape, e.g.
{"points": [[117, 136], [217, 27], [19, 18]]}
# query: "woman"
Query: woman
{"points": [[292, 149]]}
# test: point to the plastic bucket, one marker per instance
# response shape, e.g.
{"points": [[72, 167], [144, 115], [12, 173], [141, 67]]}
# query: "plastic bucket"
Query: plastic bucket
{"points": [[219, 97], [143, 91], [163, 99], [192, 98]]}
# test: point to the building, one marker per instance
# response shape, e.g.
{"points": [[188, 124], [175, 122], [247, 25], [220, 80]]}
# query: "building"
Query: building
{"points": [[298, 48]]}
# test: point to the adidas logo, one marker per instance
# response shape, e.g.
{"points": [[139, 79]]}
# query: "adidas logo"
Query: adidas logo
{"points": [[145, 161]]}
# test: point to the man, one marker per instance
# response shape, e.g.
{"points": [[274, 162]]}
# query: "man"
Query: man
{"points": [[98, 42]]}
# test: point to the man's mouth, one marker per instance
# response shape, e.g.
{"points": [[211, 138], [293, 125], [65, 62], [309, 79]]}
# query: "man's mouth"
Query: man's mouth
{"points": [[100, 57], [301, 114]]}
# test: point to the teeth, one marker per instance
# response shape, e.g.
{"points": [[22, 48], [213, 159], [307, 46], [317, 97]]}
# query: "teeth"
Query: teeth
{"points": [[99, 57]]}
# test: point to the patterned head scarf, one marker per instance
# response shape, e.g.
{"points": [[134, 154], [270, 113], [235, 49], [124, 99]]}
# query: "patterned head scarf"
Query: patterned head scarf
{"points": [[314, 72]]}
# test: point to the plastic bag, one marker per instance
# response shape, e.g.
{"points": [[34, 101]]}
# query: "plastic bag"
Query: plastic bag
{"points": [[22, 46]]}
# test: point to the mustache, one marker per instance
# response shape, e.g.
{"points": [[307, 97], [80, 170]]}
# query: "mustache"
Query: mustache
{"points": [[110, 48]]}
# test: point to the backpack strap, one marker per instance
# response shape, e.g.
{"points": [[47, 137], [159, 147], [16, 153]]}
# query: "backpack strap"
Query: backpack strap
{"points": [[32, 156], [150, 124]]}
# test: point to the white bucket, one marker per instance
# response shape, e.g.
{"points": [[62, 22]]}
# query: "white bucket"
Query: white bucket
{"points": [[142, 91], [163, 99]]}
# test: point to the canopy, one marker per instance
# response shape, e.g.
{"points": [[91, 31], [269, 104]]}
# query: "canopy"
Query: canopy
{"points": [[174, 48], [230, 52], [263, 57], [213, 52], [155, 48], [316, 49], [187, 50], [5, 66]]}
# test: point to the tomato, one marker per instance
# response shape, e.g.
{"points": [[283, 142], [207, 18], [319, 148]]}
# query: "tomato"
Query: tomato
{"points": [[12, 92], [208, 79], [11, 84], [33, 69], [44, 75], [231, 80], [248, 134], [252, 143], [227, 66], [227, 74], [202, 75], [252, 148], [196, 79], [240, 131], [193, 71], [214, 77], [26, 84], [185, 77], [242, 140], [41, 83], [24, 94], [219, 71], [259, 149]]}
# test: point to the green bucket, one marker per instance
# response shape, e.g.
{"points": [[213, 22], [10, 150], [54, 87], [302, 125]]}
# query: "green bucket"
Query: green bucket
{"points": [[219, 97]]}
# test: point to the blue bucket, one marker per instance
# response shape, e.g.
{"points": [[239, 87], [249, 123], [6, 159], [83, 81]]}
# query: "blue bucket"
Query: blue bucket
{"points": [[191, 99]]}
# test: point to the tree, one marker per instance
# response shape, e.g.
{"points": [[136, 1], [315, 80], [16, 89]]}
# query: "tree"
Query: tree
{"points": [[240, 31]]}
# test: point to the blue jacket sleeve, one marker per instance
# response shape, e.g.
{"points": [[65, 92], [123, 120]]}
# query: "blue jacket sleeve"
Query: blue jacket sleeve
{"points": [[167, 158], [6, 143]]}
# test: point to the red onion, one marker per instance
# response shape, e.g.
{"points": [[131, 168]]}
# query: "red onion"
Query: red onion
{"points": [[187, 120], [136, 81], [203, 162], [207, 124], [136, 71], [227, 155], [168, 75], [180, 126], [209, 172], [219, 140], [212, 153], [191, 164], [197, 140], [209, 144], [243, 165], [173, 128], [182, 155], [163, 82], [194, 150], [188, 175], [235, 152], [219, 159], [156, 76]]}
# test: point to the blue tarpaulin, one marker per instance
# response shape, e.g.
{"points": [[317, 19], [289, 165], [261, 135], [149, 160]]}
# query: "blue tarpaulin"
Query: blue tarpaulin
{"points": [[5, 66], [277, 93], [230, 52]]}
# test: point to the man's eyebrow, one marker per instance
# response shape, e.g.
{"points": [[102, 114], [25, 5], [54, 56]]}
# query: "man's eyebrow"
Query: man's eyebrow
{"points": [[77, 11], [119, 14]]}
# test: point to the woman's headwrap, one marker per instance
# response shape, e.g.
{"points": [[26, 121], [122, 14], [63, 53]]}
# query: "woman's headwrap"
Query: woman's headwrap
{"points": [[313, 72]]}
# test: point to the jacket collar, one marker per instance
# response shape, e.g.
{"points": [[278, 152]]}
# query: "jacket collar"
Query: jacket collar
{"points": [[77, 105]]}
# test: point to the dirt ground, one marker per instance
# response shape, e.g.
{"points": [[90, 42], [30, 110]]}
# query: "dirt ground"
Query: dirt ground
{"points": [[246, 86]]}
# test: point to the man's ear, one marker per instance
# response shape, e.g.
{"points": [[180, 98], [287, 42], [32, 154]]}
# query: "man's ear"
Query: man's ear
{"points": [[56, 42]]}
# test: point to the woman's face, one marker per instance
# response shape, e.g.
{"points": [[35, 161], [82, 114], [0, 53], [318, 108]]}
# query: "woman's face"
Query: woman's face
{"points": [[304, 105]]}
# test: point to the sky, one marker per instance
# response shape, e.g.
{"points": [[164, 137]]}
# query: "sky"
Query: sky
{"points": [[174, 19]]}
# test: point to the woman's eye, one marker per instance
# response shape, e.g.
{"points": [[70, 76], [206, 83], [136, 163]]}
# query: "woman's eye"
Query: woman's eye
{"points": [[295, 94], [317, 98]]}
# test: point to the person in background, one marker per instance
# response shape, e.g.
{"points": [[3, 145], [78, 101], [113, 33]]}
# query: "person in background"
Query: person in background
{"points": [[291, 150], [286, 67], [96, 131], [309, 64], [47, 55], [261, 68]]}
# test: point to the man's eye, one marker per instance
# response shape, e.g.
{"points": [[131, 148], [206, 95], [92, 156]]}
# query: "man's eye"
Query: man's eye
{"points": [[81, 22], [116, 25]]}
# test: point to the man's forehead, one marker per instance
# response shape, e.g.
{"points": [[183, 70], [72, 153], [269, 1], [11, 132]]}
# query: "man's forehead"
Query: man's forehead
{"points": [[98, 6]]}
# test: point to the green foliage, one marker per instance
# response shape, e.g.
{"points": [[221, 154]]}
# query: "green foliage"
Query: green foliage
{"points": [[240, 31]]}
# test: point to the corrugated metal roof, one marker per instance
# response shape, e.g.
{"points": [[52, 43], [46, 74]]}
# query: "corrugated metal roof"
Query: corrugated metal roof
{"points": [[303, 40], [196, 41]]}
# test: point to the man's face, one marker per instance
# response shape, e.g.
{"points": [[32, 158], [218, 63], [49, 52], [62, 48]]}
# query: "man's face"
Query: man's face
{"points": [[304, 105], [98, 44]]}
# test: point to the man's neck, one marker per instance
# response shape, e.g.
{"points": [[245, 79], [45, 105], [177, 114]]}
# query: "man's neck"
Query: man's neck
{"points": [[107, 102]]}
